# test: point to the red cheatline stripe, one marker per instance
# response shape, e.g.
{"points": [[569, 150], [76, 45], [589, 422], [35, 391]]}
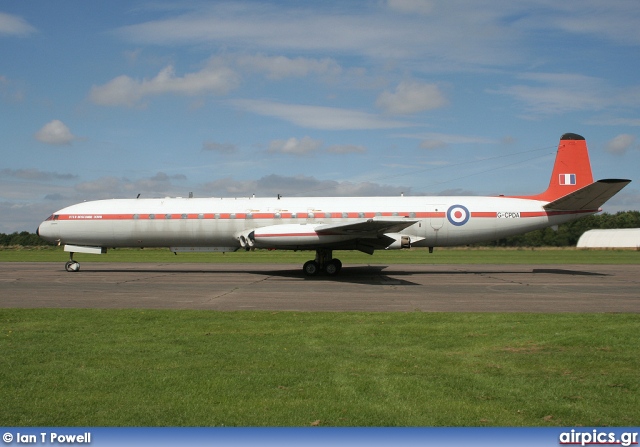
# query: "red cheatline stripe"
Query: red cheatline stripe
{"points": [[257, 216], [258, 236], [490, 214]]}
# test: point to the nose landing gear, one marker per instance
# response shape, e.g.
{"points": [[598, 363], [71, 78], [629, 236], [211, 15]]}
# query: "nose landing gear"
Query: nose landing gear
{"points": [[71, 265]]}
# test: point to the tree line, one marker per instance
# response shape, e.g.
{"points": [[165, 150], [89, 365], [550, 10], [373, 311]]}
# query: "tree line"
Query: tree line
{"points": [[24, 239], [567, 234]]}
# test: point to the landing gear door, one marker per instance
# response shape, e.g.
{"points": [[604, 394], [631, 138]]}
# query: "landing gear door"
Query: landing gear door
{"points": [[437, 214], [435, 232]]}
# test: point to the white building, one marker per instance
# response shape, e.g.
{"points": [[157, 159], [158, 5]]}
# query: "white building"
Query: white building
{"points": [[618, 238]]}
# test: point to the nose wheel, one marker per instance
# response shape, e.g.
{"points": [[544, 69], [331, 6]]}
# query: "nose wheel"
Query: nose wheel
{"points": [[71, 265], [323, 262]]}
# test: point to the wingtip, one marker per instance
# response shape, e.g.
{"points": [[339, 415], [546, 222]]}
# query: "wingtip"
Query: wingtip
{"points": [[615, 180]]}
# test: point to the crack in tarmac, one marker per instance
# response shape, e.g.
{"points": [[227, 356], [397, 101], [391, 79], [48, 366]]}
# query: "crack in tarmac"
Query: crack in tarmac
{"points": [[134, 280], [229, 292], [503, 280]]}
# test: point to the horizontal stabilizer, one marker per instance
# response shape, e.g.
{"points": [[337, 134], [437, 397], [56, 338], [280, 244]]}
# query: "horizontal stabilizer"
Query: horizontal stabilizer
{"points": [[590, 197]]}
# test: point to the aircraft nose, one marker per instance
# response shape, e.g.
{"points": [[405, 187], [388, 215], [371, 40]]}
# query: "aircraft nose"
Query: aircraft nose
{"points": [[47, 232]]}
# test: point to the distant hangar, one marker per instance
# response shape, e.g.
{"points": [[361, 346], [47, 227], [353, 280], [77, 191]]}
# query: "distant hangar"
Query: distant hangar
{"points": [[618, 238]]}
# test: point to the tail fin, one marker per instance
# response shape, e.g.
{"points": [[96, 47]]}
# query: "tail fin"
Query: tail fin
{"points": [[571, 171]]}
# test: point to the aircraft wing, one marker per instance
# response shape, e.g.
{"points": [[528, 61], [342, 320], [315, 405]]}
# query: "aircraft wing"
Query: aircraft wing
{"points": [[590, 197], [376, 226], [365, 235]]}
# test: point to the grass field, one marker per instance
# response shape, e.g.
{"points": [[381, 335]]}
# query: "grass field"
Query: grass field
{"points": [[73, 367], [202, 368]]}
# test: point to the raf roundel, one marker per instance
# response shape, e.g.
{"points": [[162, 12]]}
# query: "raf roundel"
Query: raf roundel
{"points": [[458, 215]]}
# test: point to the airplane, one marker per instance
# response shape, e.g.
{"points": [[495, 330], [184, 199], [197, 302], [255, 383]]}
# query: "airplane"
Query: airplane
{"points": [[328, 224]]}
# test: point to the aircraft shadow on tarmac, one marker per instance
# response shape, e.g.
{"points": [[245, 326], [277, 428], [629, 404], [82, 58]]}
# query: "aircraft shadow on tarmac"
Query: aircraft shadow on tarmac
{"points": [[569, 272], [370, 275]]}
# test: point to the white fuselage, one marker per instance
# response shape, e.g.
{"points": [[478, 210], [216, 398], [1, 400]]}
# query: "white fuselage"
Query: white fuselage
{"points": [[220, 222]]}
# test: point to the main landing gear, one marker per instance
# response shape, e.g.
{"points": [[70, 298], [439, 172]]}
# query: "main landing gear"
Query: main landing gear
{"points": [[71, 265], [323, 262]]}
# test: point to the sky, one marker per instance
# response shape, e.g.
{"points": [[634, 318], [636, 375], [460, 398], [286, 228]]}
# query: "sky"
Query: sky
{"points": [[111, 99]]}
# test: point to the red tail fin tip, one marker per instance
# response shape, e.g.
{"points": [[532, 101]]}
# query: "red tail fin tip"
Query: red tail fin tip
{"points": [[571, 170]]}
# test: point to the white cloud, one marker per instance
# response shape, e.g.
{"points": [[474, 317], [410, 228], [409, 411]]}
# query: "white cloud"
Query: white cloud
{"points": [[159, 183], [56, 133], [14, 25], [420, 33], [607, 121], [614, 20], [621, 144], [35, 174], [13, 92], [279, 67], [18, 217], [252, 24], [121, 91], [230, 187], [411, 97], [125, 91], [434, 140], [627, 200], [423, 7], [112, 187], [433, 144], [222, 148], [304, 146], [437, 35], [296, 186], [556, 93], [316, 117], [104, 187], [346, 149]]}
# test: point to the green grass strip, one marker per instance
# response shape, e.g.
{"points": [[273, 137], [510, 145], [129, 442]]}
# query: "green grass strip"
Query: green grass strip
{"points": [[204, 368]]}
